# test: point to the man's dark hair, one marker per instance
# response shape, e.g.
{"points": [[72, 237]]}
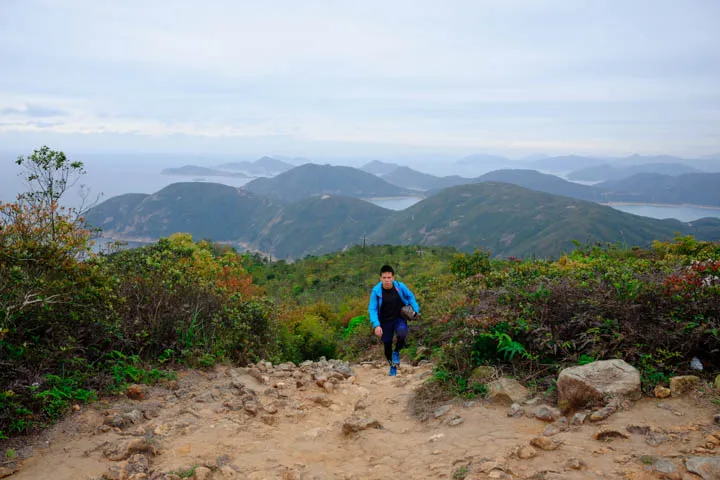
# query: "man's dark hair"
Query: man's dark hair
{"points": [[386, 268]]}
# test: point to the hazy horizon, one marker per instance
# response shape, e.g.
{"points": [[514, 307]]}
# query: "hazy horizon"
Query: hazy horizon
{"points": [[322, 79]]}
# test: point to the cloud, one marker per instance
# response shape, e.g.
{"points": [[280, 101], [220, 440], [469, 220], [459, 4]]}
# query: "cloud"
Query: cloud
{"points": [[605, 75], [33, 111]]}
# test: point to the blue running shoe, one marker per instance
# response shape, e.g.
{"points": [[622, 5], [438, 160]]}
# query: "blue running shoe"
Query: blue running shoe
{"points": [[396, 358], [393, 371]]}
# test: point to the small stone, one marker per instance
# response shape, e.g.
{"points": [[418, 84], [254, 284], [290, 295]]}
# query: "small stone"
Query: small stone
{"points": [[356, 424], [227, 472], [455, 421], [272, 420], [707, 467], [622, 459], [323, 400], [436, 437], [551, 430], [663, 466], [137, 392], [202, 473], [547, 414], [360, 405], [137, 464], [661, 392], [76, 408], [441, 411], [575, 464], [515, 410], [606, 433], [545, 443], [526, 452], [578, 418], [602, 414], [508, 391], [683, 384]]}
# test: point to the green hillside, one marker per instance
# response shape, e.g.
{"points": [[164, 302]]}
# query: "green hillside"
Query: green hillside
{"points": [[543, 182], [319, 225], [508, 219], [511, 220], [205, 210]]}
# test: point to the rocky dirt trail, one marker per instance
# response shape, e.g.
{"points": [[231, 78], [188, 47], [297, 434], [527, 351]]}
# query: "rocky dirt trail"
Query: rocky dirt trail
{"points": [[330, 420]]}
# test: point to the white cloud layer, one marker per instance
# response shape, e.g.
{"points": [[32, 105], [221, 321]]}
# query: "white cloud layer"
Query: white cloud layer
{"points": [[476, 75]]}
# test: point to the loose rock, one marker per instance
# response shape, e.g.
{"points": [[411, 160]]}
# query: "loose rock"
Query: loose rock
{"points": [[507, 390], [683, 384], [601, 380], [707, 467], [607, 433], [357, 424]]}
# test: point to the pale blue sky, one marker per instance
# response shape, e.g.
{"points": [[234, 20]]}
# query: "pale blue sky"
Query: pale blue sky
{"points": [[337, 78]]}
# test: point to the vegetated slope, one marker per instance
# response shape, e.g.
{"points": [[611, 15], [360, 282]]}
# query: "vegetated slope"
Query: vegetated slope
{"points": [[690, 188], [543, 182], [205, 210], [309, 180], [512, 220], [114, 212], [319, 225], [509, 219]]}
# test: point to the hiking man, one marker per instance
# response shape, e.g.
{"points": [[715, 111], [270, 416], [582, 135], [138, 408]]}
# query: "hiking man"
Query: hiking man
{"points": [[386, 300]]}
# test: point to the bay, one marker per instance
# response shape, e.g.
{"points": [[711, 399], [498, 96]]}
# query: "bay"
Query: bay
{"points": [[684, 213]]}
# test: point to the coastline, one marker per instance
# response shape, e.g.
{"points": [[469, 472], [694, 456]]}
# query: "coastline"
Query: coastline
{"points": [[645, 204], [419, 197]]}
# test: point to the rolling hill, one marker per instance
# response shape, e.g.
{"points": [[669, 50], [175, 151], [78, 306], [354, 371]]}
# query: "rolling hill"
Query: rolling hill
{"points": [[512, 220], [508, 219], [319, 225], [206, 210]]}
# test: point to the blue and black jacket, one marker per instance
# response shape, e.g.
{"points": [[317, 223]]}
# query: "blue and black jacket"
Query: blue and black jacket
{"points": [[406, 296]]}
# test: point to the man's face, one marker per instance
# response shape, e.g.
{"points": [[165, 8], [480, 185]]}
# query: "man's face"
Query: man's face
{"points": [[387, 280]]}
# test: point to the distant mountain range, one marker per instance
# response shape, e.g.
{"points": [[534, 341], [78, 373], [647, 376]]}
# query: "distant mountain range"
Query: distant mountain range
{"points": [[194, 170], [310, 179], [607, 172], [690, 188], [376, 167], [261, 166], [509, 219]]}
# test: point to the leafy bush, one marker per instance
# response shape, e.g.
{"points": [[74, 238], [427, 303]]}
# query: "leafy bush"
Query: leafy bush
{"points": [[654, 308]]}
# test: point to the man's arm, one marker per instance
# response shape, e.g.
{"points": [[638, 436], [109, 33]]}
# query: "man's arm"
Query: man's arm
{"points": [[373, 310]]}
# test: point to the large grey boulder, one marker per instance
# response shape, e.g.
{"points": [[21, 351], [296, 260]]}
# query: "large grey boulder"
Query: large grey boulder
{"points": [[598, 381]]}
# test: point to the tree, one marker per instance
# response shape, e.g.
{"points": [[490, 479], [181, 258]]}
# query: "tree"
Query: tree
{"points": [[49, 174]]}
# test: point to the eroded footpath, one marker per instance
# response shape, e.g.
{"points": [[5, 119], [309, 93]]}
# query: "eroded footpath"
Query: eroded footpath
{"points": [[331, 420]]}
